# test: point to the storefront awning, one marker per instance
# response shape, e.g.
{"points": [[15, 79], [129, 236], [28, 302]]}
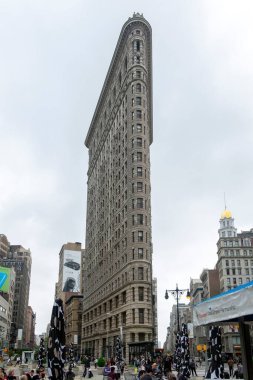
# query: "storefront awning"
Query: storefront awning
{"points": [[226, 307]]}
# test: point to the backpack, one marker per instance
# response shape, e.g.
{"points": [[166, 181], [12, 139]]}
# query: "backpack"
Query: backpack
{"points": [[107, 370]]}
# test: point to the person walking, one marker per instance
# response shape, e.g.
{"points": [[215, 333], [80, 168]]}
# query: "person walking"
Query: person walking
{"points": [[192, 367], [231, 366], [18, 361], [167, 365]]}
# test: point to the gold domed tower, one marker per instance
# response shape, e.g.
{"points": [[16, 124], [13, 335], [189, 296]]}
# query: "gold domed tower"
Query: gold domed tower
{"points": [[226, 214], [227, 228]]}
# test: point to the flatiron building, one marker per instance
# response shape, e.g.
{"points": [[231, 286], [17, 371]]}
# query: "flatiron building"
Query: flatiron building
{"points": [[118, 297]]}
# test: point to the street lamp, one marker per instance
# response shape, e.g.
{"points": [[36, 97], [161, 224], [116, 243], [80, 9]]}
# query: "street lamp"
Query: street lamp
{"points": [[177, 294]]}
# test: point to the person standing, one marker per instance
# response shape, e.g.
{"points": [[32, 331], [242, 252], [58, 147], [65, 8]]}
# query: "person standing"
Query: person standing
{"points": [[70, 374], [107, 369], [239, 374], [112, 375], [231, 366], [11, 375], [35, 376]]}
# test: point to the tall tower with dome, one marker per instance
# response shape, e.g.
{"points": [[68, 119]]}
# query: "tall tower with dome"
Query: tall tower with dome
{"points": [[227, 228], [235, 254]]}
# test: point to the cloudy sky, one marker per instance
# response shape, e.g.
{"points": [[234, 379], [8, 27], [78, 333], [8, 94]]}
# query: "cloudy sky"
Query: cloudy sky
{"points": [[54, 58]]}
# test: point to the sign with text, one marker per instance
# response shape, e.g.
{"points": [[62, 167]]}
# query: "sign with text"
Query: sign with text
{"points": [[230, 305]]}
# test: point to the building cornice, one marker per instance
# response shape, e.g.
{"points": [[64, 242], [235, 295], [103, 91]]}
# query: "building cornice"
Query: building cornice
{"points": [[74, 296]]}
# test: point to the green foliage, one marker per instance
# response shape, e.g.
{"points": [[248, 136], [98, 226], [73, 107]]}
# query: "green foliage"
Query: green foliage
{"points": [[101, 362], [18, 352], [11, 353]]}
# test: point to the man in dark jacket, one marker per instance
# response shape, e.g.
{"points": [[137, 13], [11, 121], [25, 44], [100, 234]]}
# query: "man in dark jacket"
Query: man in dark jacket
{"points": [[167, 365]]}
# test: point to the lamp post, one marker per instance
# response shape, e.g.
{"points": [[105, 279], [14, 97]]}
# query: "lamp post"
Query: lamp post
{"points": [[177, 294]]}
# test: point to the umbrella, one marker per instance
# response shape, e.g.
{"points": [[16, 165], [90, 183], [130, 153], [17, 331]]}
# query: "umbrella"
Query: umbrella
{"points": [[56, 343]]}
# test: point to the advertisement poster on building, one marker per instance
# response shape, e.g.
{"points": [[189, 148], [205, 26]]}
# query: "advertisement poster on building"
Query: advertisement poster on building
{"points": [[71, 271], [20, 334], [5, 279]]}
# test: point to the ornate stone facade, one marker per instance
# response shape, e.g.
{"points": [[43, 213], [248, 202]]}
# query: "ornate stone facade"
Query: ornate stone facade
{"points": [[118, 257]]}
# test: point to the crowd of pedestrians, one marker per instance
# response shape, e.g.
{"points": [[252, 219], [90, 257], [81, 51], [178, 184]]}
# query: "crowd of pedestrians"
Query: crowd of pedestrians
{"points": [[29, 375], [146, 369], [113, 370], [235, 369], [160, 368]]}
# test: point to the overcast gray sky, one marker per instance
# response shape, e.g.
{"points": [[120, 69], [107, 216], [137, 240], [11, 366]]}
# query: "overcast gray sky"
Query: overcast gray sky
{"points": [[54, 59]]}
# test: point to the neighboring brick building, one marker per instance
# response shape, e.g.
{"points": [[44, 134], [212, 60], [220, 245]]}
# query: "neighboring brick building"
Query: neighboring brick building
{"points": [[4, 246], [30, 328], [73, 322], [211, 283]]}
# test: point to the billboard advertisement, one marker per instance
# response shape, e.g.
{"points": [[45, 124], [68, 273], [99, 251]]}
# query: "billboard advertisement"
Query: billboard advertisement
{"points": [[71, 271], [5, 274], [20, 334]]}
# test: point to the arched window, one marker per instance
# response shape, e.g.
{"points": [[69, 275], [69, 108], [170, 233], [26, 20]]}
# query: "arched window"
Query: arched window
{"points": [[138, 87]]}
